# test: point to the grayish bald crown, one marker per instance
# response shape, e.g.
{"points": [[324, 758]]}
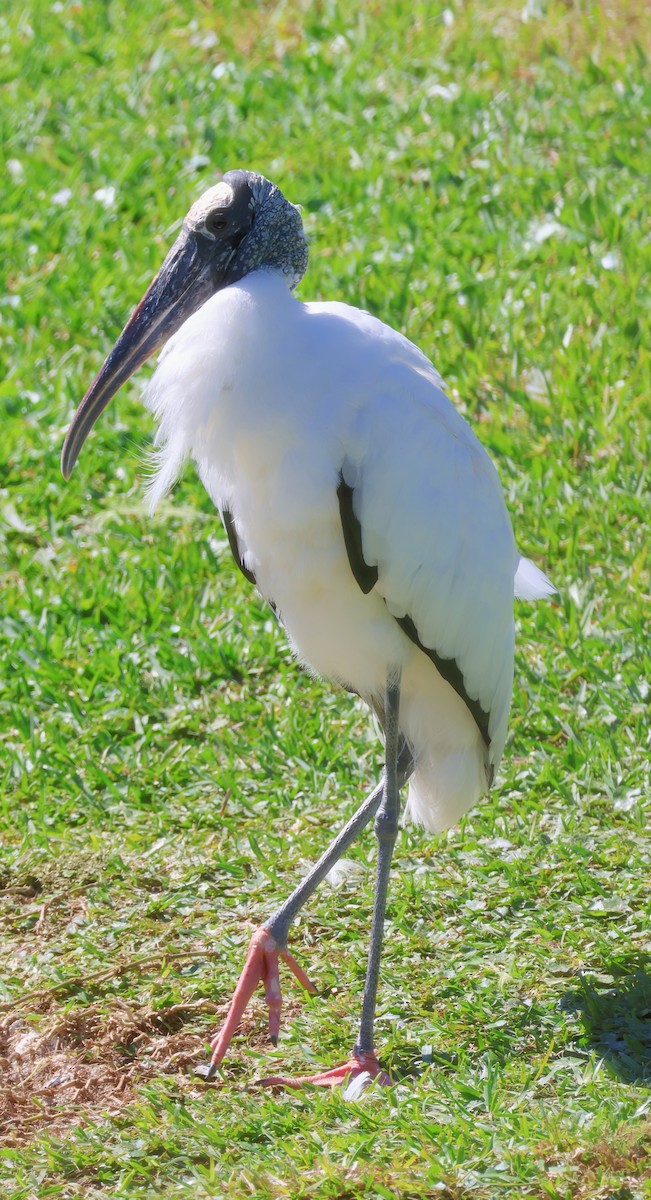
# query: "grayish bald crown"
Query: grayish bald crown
{"points": [[242, 224], [250, 215]]}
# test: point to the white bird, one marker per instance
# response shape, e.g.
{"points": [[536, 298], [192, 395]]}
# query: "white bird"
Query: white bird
{"points": [[359, 502]]}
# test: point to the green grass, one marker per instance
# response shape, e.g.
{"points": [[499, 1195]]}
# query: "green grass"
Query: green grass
{"points": [[480, 181]]}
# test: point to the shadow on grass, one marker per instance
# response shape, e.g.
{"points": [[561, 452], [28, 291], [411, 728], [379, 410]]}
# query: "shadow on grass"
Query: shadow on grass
{"points": [[616, 1013]]}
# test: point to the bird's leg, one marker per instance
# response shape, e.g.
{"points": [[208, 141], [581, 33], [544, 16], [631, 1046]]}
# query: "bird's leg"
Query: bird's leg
{"points": [[386, 832], [363, 1064], [269, 942]]}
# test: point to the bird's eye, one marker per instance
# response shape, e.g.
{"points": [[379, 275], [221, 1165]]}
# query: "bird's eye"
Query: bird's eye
{"points": [[215, 223]]}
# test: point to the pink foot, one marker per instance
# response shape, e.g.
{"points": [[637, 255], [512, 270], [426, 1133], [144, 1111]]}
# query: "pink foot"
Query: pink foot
{"points": [[360, 1070], [261, 966]]}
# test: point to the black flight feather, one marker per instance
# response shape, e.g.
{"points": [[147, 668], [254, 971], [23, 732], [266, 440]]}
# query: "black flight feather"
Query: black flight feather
{"points": [[229, 526], [367, 577]]}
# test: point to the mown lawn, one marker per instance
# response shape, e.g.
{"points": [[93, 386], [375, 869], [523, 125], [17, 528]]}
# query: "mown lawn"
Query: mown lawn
{"points": [[477, 176]]}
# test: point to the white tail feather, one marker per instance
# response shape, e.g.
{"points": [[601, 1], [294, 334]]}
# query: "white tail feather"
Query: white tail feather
{"points": [[530, 583]]}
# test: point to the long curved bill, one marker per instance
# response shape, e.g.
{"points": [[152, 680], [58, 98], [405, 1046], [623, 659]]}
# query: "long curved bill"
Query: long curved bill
{"points": [[183, 284]]}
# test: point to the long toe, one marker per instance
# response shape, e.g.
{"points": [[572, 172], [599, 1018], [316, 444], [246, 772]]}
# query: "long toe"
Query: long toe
{"points": [[354, 1076], [261, 966]]}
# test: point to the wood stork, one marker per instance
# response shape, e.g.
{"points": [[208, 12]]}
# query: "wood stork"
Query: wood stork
{"points": [[358, 501]]}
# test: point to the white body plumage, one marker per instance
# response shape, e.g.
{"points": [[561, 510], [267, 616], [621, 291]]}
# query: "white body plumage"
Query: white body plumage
{"points": [[360, 502], [272, 399]]}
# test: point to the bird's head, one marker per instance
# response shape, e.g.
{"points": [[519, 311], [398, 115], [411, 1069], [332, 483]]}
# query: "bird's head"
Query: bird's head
{"points": [[241, 224]]}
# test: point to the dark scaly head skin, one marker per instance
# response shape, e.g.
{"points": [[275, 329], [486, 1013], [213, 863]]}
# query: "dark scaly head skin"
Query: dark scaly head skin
{"points": [[241, 224]]}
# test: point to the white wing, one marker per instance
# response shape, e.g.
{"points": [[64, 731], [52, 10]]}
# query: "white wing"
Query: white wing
{"points": [[434, 521], [330, 390]]}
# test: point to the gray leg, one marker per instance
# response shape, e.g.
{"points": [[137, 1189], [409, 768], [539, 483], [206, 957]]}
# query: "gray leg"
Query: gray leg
{"points": [[269, 942], [279, 924], [386, 830]]}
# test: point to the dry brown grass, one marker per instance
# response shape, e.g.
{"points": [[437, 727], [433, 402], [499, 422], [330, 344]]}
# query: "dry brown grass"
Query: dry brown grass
{"points": [[600, 29], [82, 1061], [625, 1156], [576, 28]]}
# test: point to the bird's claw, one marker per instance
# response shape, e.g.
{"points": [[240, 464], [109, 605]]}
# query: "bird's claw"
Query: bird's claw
{"points": [[261, 966], [355, 1075]]}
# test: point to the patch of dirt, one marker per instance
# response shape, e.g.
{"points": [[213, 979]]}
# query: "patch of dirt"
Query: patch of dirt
{"points": [[87, 1059]]}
